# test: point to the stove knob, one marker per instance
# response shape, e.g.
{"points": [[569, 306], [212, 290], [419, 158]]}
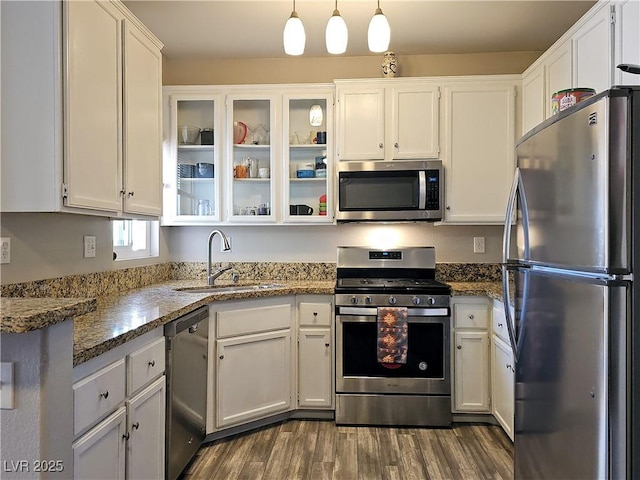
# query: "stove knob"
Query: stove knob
{"points": [[431, 301], [415, 300], [368, 300], [392, 300], [354, 299]]}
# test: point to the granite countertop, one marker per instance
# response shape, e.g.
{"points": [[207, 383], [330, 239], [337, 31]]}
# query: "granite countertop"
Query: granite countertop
{"points": [[21, 315], [123, 316], [111, 320]]}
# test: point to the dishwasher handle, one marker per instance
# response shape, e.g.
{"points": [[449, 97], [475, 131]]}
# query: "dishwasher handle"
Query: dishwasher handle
{"points": [[185, 322]]}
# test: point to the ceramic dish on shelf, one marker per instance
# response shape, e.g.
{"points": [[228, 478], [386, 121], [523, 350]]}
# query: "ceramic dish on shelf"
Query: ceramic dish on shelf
{"points": [[239, 132]]}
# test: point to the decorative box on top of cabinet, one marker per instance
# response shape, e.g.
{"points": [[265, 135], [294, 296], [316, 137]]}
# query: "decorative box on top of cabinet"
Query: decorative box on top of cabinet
{"points": [[478, 156], [392, 119], [99, 143]]}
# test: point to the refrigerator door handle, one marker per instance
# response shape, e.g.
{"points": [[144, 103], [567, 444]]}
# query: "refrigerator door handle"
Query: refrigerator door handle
{"points": [[506, 299], [517, 191]]}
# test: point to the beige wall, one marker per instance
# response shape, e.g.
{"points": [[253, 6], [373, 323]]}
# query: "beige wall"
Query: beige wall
{"points": [[323, 69]]}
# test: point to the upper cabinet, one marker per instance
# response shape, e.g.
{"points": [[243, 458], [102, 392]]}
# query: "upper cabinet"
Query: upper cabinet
{"points": [[266, 157], [387, 119], [586, 56], [479, 130], [95, 101]]}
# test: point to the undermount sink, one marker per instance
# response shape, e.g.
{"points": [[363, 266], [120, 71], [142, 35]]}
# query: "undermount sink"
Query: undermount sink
{"points": [[229, 288]]}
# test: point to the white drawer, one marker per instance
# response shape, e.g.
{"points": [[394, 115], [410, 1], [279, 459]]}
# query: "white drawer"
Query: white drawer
{"points": [[253, 320], [500, 323], [98, 395], [314, 314], [145, 364], [471, 316]]}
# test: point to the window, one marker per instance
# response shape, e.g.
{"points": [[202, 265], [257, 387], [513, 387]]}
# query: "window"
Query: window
{"points": [[134, 239]]}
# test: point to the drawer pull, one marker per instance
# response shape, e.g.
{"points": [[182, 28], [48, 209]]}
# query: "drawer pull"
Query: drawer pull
{"points": [[459, 347], [152, 363], [471, 317], [221, 357], [126, 436], [500, 325], [327, 345], [136, 425], [105, 394], [315, 314]]}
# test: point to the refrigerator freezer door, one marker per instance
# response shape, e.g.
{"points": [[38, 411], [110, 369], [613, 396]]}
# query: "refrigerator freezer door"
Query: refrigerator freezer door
{"points": [[574, 177], [568, 424]]}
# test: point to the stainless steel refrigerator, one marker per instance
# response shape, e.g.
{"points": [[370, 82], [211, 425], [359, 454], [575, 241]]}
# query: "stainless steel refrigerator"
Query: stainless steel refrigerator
{"points": [[568, 274]]}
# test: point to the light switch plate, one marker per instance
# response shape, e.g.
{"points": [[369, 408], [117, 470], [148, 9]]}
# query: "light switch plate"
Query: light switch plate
{"points": [[89, 246], [5, 252], [478, 244], [6, 385]]}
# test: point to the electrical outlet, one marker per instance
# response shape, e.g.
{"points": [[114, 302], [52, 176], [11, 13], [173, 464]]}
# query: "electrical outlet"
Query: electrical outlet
{"points": [[89, 246], [230, 245], [5, 253], [478, 244], [6, 385]]}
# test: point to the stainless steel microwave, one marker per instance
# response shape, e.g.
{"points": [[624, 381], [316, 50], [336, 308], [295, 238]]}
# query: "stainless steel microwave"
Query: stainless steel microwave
{"points": [[390, 191]]}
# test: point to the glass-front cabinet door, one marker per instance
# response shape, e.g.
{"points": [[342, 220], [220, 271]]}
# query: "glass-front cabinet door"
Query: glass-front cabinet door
{"points": [[252, 147], [307, 157], [192, 177]]}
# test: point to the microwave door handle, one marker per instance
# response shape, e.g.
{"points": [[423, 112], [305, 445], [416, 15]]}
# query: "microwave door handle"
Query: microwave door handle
{"points": [[422, 182]]}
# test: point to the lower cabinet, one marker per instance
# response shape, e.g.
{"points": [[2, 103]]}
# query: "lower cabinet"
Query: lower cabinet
{"points": [[502, 371], [502, 375], [120, 431], [253, 360], [471, 386], [315, 352], [100, 453]]}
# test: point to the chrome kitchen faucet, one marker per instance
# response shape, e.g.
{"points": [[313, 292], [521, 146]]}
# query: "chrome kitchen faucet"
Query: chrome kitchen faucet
{"points": [[211, 277]]}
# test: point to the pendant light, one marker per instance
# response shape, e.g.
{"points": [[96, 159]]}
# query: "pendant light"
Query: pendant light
{"points": [[379, 33], [293, 36], [337, 35]]}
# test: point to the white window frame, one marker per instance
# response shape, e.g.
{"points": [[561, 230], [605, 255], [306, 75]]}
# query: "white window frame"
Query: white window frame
{"points": [[151, 241]]}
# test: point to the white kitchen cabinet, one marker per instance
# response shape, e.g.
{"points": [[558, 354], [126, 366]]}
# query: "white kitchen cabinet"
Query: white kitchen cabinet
{"points": [[127, 386], [92, 94], [478, 157], [252, 364], [100, 453], [592, 51], [534, 100], [302, 151], [471, 386], [315, 353], [502, 385], [558, 72], [626, 40], [146, 429], [192, 172], [388, 119]]}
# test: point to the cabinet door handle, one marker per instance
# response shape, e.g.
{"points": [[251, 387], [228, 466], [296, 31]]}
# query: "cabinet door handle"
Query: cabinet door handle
{"points": [[327, 345], [221, 357], [315, 314], [395, 144], [459, 347], [131, 194], [471, 317], [105, 394], [500, 325], [448, 207], [136, 425], [126, 436], [381, 145], [152, 363]]}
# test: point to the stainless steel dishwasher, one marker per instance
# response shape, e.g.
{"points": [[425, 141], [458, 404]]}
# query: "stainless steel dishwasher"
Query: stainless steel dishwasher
{"points": [[186, 369]]}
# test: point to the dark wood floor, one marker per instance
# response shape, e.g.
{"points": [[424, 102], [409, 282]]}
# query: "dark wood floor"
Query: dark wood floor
{"points": [[314, 449]]}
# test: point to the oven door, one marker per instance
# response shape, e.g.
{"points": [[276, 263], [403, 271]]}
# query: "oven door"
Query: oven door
{"points": [[427, 370]]}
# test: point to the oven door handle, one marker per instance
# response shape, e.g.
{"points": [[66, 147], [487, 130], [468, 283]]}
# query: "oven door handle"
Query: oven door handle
{"points": [[422, 182], [412, 312]]}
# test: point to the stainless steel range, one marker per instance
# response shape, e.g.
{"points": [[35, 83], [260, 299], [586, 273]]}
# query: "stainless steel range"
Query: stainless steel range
{"points": [[415, 392]]}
